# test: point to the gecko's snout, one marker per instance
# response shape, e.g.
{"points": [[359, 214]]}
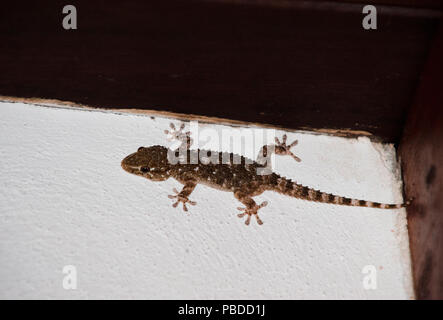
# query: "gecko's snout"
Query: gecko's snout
{"points": [[151, 163], [126, 163]]}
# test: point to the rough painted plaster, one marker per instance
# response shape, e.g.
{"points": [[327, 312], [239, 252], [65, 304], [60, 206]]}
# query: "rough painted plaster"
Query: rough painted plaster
{"points": [[64, 200]]}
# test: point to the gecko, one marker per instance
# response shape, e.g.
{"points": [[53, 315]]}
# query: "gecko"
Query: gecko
{"points": [[239, 177]]}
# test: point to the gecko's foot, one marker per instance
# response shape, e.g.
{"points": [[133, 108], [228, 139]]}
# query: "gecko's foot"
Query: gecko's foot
{"points": [[181, 199], [177, 134], [252, 211], [282, 148]]}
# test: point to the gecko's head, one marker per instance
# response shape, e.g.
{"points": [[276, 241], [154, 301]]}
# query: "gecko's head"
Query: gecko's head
{"points": [[151, 163]]}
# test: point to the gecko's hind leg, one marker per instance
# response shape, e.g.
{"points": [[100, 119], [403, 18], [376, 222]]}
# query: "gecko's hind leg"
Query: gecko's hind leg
{"points": [[177, 134], [182, 196], [250, 209], [280, 148]]}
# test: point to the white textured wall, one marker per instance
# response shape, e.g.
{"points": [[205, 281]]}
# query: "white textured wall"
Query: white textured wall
{"points": [[64, 200]]}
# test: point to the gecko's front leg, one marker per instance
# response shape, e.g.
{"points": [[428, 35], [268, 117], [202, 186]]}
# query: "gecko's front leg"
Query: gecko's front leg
{"points": [[251, 207], [179, 135], [182, 196]]}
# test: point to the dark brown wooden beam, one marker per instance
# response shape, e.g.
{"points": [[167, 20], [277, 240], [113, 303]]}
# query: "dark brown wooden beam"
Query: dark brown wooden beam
{"points": [[306, 65], [421, 152], [428, 4], [423, 4]]}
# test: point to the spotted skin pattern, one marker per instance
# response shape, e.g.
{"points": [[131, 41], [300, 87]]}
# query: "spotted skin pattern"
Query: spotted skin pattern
{"points": [[231, 173]]}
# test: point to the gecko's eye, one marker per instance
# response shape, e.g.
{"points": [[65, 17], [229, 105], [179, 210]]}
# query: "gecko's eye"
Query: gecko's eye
{"points": [[144, 169], [141, 148]]}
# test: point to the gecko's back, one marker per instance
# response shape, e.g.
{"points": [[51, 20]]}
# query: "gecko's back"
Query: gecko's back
{"points": [[221, 170]]}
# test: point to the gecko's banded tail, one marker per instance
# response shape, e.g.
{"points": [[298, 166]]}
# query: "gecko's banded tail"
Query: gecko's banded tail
{"points": [[292, 189]]}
